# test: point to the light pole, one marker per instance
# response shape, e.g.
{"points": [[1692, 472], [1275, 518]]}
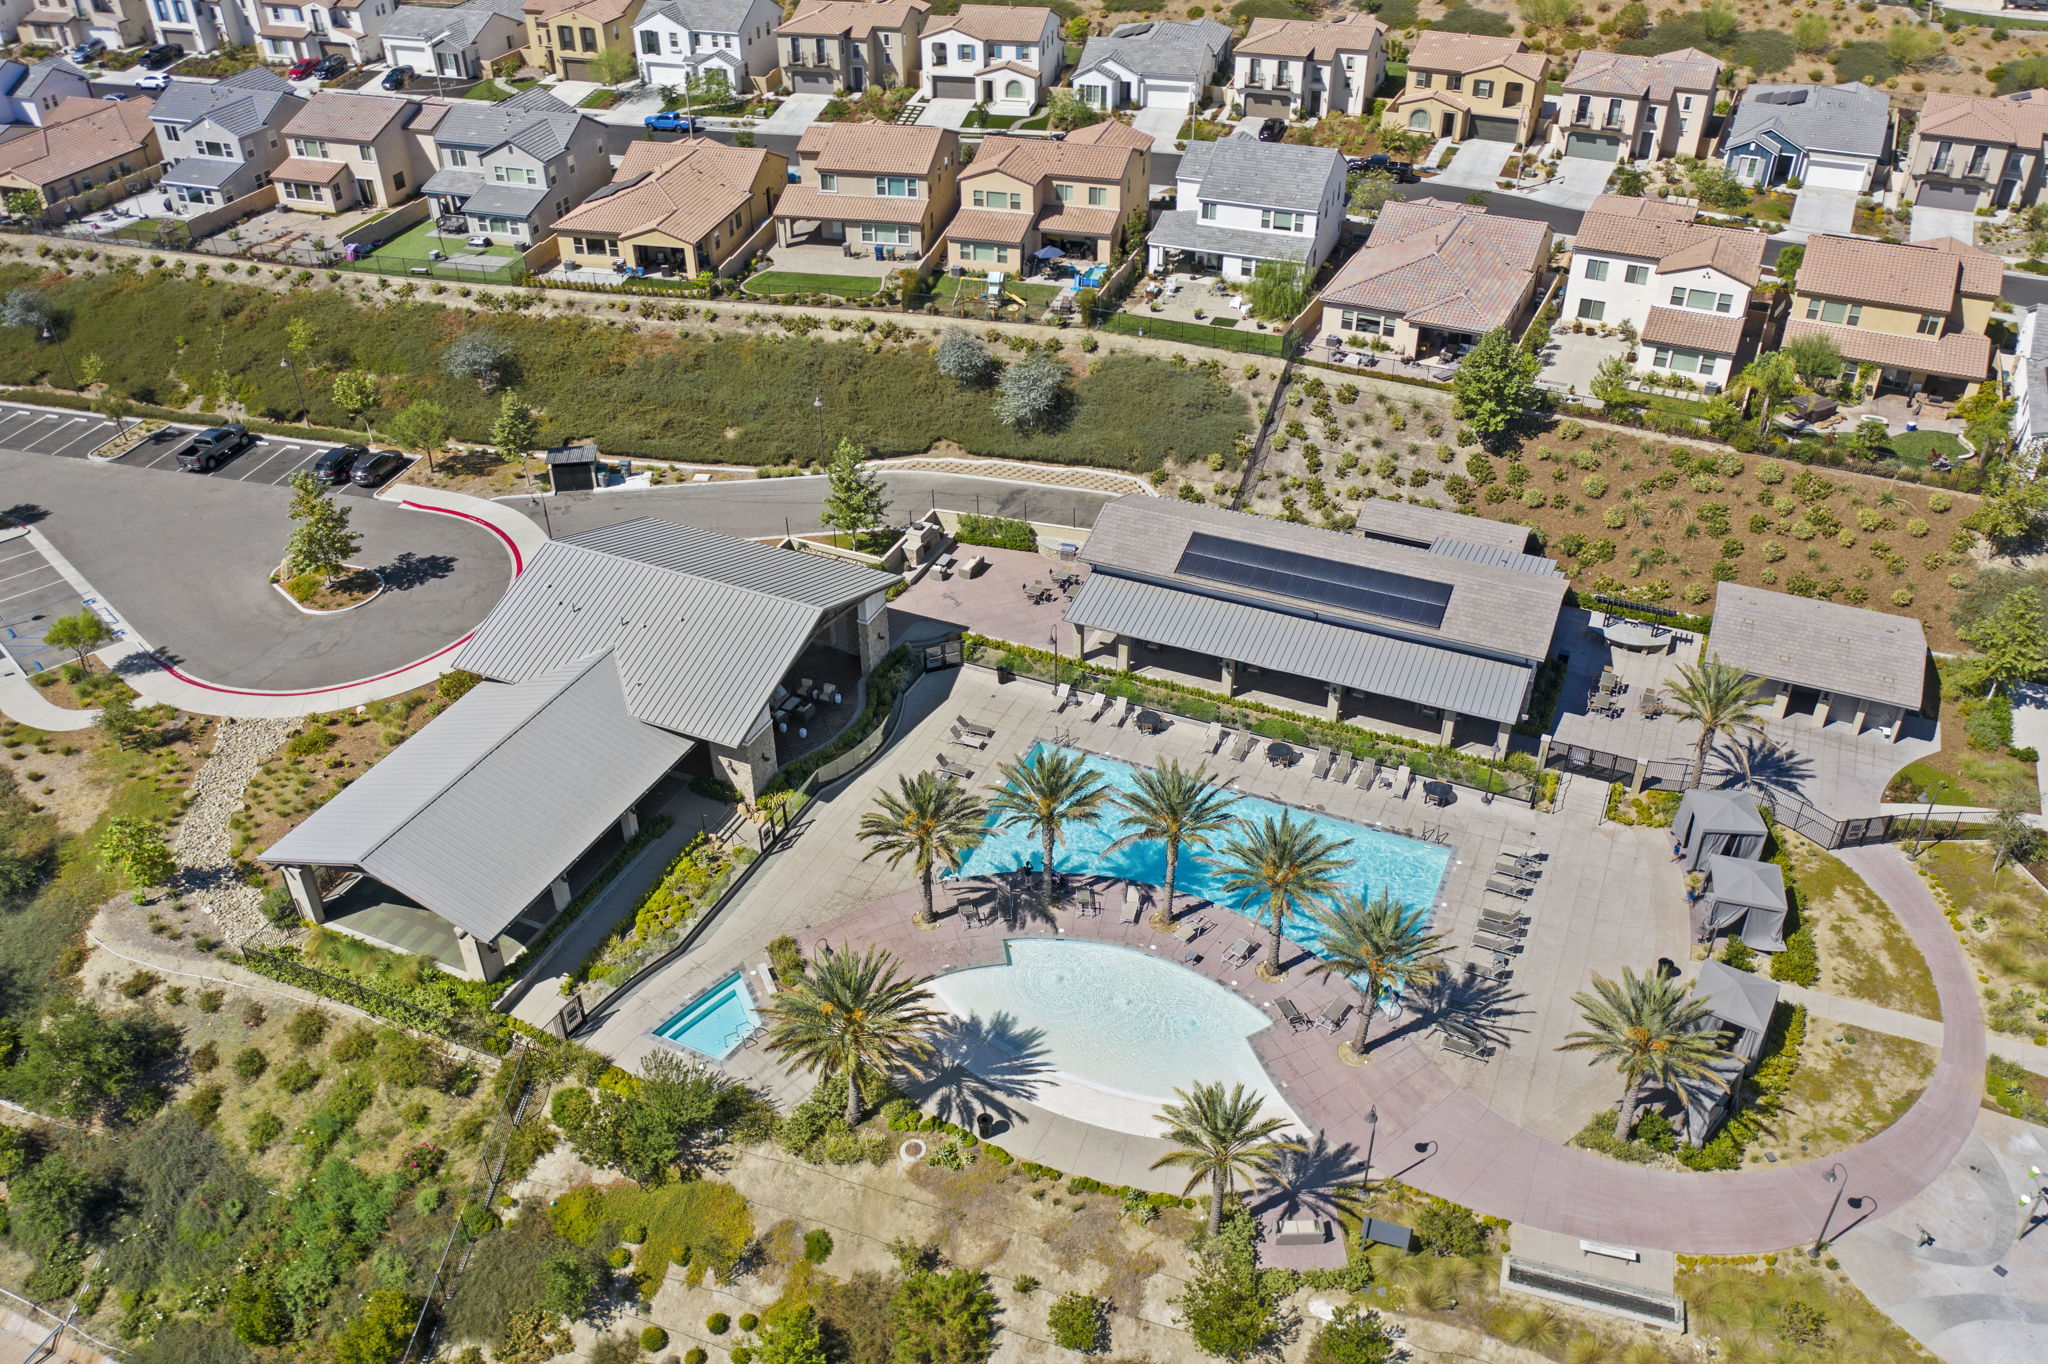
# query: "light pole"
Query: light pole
{"points": [[1838, 1177], [818, 406], [51, 337], [285, 362], [1372, 1137], [1920, 843]]}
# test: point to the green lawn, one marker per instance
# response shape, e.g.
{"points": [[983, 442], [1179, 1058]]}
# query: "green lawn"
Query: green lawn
{"points": [[598, 99], [415, 242], [790, 282], [495, 90], [1668, 402], [1918, 447]]}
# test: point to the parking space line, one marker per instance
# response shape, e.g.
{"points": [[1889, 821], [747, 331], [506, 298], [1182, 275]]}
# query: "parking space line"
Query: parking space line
{"points": [[290, 451], [39, 568], [312, 453], [96, 435], [30, 553], [33, 590], [60, 431]]}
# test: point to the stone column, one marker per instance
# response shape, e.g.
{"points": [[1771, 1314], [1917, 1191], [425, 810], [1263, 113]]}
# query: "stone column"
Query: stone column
{"points": [[1335, 709], [304, 885], [871, 629], [1781, 697], [1229, 677], [559, 889], [1450, 726], [1123, 653], [747, 768], [480, 960], [629, 824]]}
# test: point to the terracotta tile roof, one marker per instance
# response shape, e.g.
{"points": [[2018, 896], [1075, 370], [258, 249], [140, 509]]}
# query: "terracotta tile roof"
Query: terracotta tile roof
{"points": [[1923, 276], [1443, 265], [1308, 39], [1655, 78], [1468, 52], [809, 204], [855, 18], [346, 117], [989, 225], [2020, 119], [1110, 132], [283, 30], [83, 133], [1432, 96], [994, 23], [1675, 245], [683, 189], [1694, 331], [877, 148], [1958, 355], [1034, 159], [1621, 205], [1079, 220], [307, 172]]}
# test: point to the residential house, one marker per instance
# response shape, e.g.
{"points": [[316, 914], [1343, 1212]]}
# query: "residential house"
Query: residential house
{"points": [[565, 36], [1917, 313], [674, 207], [1684, 287], [844, 46], [514, 167], [1616, 105], [1021, 195], [352, 151], [1295, 68], [685, 39], [221, 141], [1435, 275], [2029, 388], [1153, 64], [457, 43], [67, 23], [201, 26], [1825, 136], [1977, 151], [1244, 201], [29, 94], [1003, 56], [876, 188], [81, 146], [12, 12], [294, 30], [1466, 85]]}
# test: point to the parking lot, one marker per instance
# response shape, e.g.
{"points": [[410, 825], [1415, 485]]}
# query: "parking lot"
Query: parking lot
{"points": [[34, 595], [73, 435]]}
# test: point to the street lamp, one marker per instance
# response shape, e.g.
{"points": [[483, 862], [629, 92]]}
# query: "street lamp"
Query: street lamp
{"points": [[1838, 1177], [51, 337], [818, 406], [285, 362], [1372, 1137]]}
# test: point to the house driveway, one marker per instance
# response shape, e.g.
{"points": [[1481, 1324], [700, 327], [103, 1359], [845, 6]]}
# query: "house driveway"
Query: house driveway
{"points": [[1931, 224], [1476, 166], [1162, 121], [794, 114], [1822, 210], [945, 113], [2030, 725], [1579, 181]]}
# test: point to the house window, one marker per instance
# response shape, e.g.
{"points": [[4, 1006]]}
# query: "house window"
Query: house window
{"points": [[1013, 89], [310, 148], [365, 152], [1834, 310], [1063, 193], [1098, 195], [1367, 324], [1419, 121], [1595, 269], [589, 40], [1636, 274], [997, 198], [568, 37], [1702, 299], [1978, 156], [219, 149], [1943, 151], [895, 187], [964, 51], [1591, 310], [1482, 89], [828, 182], [1208, 211], [650, 42], [1258, 71], [398, 180], [885, 234], [1513, 98], [593, 246], [514, 175], [1930, 324], [457, 157], [1421, 79], [1279, 220], [1748, 168], [1454, 82], [999, 255]]}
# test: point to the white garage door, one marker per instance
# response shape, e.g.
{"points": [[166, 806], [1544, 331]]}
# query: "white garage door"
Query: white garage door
{"points": [[1166, 95], [1833, 174]]}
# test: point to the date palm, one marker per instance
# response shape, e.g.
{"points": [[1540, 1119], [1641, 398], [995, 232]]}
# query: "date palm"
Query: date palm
{"points": [[1045, 793], [1721, 699], [1221, 1137], [1182, 808], [927, 819], [1282, 865], [1381, 944], [847, 1014], [1646, 1027]]}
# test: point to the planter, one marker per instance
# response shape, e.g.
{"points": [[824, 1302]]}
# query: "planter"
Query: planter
{"points": [[278, 585], [127, 441]]}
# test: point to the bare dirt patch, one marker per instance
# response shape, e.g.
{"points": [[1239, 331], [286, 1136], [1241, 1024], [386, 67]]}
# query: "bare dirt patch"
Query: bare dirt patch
{"points": [[1865, 952], [1851, 1085]]}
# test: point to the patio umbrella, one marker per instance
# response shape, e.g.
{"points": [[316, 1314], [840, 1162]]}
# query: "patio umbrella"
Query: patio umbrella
{"points": [[1047, 253]]}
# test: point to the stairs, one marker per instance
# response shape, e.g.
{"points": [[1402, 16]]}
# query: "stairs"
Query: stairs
{"points": [[912, 112]]}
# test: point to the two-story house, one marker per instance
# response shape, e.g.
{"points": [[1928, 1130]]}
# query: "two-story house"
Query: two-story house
{"points": [[221, 141], [1826, 136], [1021, 195], [30, 94], [81, 146], [1295, 68], [201, 26], [350, 150], [1621, 107], [1003, 56], [67, 23], [1976, 151], [1917, 313], [292, 30], [674, 208], [564, 36], [685, 39], [511, 169], [1243, 201], [847, 45], [1152, 65], [1467, 85], [1685, 288], [875, 189], [1434, 276], [459, 42]]}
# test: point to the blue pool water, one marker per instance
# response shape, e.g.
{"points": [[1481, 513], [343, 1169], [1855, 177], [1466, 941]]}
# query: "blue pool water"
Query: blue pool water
{"points": [[1408, 868], [714, 1022]]}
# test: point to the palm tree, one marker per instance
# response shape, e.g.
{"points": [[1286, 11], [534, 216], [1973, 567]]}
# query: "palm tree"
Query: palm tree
{"points": [[927, 819], [1721, 699], [1044, 793], [1772, 379], [844, 1014], [1384, 943], [1283, 865], [1649, 1029], [1184, 808], [1220, 1138]]}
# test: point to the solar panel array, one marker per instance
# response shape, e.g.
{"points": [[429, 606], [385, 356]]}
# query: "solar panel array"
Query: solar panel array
{"points": [[1327, 582]]}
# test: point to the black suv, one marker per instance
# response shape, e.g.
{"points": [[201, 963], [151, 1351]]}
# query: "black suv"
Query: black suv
{"points": [[1273, 130], [371, 470], [1402, 171], [160, 56], [330, 66], [333, 465], [212, 447]]}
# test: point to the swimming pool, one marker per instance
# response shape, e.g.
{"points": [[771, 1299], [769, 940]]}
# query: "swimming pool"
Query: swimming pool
{"points": [[713, 1023], [1408, 868], [1106, 1034]]}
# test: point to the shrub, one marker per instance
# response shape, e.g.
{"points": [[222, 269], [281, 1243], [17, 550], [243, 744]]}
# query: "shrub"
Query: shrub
{"points": [[315, 738], [653, 1338], [264, 1128], [204, 1104], [817, 1245], [211, 1000], [1075, 1321], [306, 1028], [747, 1321], [140, 984], [1988, 726], [1446, 1228], [695, 1355], [249, 1063], [718, 1323], [357, 1044], [1000, 532], [297, 1078], [1799, 963]]}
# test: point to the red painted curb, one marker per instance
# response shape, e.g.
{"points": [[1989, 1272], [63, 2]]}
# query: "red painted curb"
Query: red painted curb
{"points": [[518, 567]]}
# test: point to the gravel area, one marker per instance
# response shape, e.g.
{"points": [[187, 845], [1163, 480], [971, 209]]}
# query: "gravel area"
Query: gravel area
{"points": [[204, 843]]}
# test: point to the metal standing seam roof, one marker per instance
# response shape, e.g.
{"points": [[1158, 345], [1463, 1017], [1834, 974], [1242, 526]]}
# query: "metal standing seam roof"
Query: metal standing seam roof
{"points": [[1821, 644], [1243, 170], [1850, 118], [477, 813], [1328, 652], [1423, 526]]}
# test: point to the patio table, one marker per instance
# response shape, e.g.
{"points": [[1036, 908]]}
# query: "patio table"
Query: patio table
{"points": [[1636, 634]]}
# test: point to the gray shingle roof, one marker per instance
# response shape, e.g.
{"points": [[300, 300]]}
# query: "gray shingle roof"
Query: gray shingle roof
{"points": [[1848, 118], [1244, 170], [1820, 644], [703, 16], [533, 120], [1170, 51], [240, 104], [1182, 229], [703, 626], [456, 27], [39, 75], [479, 811], [204, 172]]}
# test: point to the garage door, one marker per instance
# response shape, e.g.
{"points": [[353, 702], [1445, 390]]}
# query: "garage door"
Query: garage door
{"points": [[952, 87], [1592, 147], [1165, 95], [1496, 129], [1947, 196], [1833, 174], [1264, 103]]}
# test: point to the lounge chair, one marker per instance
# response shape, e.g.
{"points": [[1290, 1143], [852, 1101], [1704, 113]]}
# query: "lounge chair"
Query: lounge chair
{"points": [[1214, 736], [967, 726], [1296, 1019], [1246, 742], [1243, 950], [1460, 1046], [1061, 694], [967, 738], [1365, 774], [1494, 942], [1401, 781], [1520, 871], [1502, 928], [957, 771], [1094, 703], [1333, 1014], [1324, 757], [1508, 885], [1341, 773], [1499, 975], [1122, 711], [1134, 905], [1191, 930]]}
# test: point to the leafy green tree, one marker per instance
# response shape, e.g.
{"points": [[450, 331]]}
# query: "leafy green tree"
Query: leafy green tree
{"points": [[117, 719], [1716, 187], [1352, 1336], [1372, 191], [2012, 639], [482, 356], [1629, 182], [516, 431], [2011, 836], [1226, 1307], [257, 1313], [1912, 45], [1813, 356], [23, 203], [569, 1278], [2013, 507], [855, 499], [1067, 110], [944, 1316], [1813, 34], [1614, 384], [851, 1015], [1219, 1138], [614, 66], [1551, 14], [52, 1203], [81, 633], [1377, 946], [1987, 418], [1280, 866], [1495, 385], [1030, 392], [1632, 20], [355, 392], [931, 821], [1771, 379], [790, 1336], [28, 309], [1649, 1029], [965, 360], [1182, 809], [1279, 289], [1075, 1321], [1721, 699], [1720, 22], [78, 1060], [1043, 793], [666, 1122], [135, 848], [2027, 73], [321, 542], [424, 426]]}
